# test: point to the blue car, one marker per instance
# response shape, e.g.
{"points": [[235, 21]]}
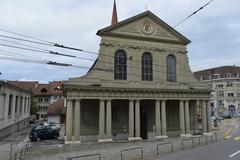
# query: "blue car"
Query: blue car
{"points": [[42, 132]]}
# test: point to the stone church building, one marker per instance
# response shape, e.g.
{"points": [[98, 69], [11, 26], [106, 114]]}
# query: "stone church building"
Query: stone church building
{"points": [[140, 86]]}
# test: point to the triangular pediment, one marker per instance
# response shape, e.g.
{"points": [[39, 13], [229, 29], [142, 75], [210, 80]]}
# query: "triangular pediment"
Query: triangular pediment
{"points": [[145, 26]]}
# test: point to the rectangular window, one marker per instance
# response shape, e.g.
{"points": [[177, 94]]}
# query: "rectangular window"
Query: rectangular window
{"points": [[25, 104], [230, 94], [16, 104], [10, 105], [21, 104], [220, 93], [219, 85], [229, 84]]}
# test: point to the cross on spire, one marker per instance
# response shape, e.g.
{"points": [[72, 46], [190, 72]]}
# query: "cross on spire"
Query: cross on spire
{"points": [[114, 14]]}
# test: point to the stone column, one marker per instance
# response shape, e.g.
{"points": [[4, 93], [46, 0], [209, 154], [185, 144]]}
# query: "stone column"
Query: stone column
{"points": [[187, 117], [131, 120], [137, 119], [109, 120], [196, 126], [209, 123], [101, 121], [181, 118], [157, 119], [163, 116], [77, 121], [69, 120], [204, 116]]}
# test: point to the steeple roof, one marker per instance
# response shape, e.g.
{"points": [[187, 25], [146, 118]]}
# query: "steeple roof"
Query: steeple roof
{"points": [[114, 14]]}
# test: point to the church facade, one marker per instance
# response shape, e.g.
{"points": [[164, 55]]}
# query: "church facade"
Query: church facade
{"points": [[140, 86]]}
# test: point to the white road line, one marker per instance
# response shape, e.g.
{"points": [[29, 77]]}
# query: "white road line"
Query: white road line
{"points": [[234, 154], [23, 142]]}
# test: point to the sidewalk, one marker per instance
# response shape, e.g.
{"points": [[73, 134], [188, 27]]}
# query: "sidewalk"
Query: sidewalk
{"points": [[112, 151], [19, 139]]}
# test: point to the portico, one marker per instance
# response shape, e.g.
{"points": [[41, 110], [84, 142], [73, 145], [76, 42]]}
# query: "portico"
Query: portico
{"points": [[119, 118]]}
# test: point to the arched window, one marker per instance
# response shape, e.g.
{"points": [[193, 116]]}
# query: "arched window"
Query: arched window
{"points": [[147, 69], [171, 68], [120, 65]]}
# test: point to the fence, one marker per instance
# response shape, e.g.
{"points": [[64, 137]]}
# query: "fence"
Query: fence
{"points": [[130, 149], [212, 137], [20, 154]]}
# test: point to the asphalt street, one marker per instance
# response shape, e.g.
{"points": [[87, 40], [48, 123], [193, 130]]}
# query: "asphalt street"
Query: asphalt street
{"points": [[225, 149]]}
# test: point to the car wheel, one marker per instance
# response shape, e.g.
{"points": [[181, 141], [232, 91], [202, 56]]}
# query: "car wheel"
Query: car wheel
{"points": [[38, 139], [55, 136]]}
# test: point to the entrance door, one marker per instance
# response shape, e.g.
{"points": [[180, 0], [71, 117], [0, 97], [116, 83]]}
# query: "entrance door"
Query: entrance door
{"points": [[143, 123], [231, 110]]}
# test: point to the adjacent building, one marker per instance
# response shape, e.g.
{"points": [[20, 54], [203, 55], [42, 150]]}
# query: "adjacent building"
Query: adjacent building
{"points": [[57, 111], [225, 83], [140, 87], [43, 94], [14, 108]]}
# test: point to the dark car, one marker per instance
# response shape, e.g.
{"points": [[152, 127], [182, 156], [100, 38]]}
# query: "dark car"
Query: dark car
{"points": [[42, 132]]}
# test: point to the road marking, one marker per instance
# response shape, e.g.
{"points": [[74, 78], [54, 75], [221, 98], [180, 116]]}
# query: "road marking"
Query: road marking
{"points": [[229, 131], [227, 137], [23, 142], [234, 154], [237, 138]]}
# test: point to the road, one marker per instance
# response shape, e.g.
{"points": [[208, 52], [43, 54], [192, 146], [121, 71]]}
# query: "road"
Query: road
{"points": [[225, 149]]}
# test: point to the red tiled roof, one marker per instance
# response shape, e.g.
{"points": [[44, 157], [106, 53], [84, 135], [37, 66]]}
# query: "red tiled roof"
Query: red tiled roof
{"points": [[57, 108], [53, 88], [222, 71]]}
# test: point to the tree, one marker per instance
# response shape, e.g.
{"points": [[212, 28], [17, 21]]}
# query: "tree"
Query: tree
{"points": [[34, 108]]}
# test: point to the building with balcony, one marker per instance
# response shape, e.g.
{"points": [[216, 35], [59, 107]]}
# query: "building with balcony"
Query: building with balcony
{"points": [[225, 83]]}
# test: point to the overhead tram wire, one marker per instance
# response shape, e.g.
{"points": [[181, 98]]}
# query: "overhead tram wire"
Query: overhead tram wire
{"points": [[43, 42], [81, 58], [20, 55], [88, 59], [49, 63], [195, 12], [36, 49]]}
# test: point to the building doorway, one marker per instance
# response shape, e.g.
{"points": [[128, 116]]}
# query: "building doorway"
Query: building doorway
{"points": [[143, 123], [231, 110]]}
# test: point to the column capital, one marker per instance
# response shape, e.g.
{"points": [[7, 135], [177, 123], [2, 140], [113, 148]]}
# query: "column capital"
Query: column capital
{"points": [[105, 99], [137, 100], [162, 99]]}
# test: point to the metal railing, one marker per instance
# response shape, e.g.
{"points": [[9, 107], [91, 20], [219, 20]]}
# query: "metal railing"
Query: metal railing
{"points": [[161, 144], [187, 139], [130, 149], [20, 154]]}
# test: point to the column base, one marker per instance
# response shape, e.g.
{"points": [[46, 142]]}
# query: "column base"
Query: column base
{"points": [[72, 141], [134, 138], [105, 140], [161, 137], [185, 135]]}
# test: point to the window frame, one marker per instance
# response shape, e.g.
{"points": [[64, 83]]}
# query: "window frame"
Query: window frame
{"points": [[120, 65], [147, 66], [171, 68]]}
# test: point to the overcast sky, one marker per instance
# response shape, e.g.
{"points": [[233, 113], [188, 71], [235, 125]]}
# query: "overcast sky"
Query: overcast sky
{"points": [[214, 31]]}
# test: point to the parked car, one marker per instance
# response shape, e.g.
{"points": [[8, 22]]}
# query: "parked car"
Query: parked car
{"points": [[53, 125], [42, 132]]}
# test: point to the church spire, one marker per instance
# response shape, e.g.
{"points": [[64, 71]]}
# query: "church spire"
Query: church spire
{"points": [[114, 14]]}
